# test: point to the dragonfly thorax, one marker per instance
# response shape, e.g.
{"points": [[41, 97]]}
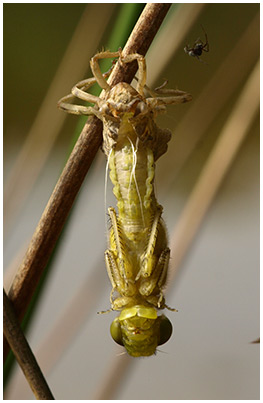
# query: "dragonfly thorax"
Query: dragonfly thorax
{"points": [[124, 98]]}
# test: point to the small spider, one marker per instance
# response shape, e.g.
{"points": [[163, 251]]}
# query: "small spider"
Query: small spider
{"points": [[198, 48]]}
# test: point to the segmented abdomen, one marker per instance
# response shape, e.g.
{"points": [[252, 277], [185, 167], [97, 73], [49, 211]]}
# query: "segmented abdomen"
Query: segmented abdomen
{"points": [[132, 174]]}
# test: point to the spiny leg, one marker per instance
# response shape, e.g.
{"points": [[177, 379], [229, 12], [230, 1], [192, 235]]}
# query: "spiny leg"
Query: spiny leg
{"points": [[113, 275], [78, 91], [157, 281], [94, 64], [155, 94], [157, 278], [148, 260], [174, 97], [175, 93], [141, 69], [111, 268], [112, 271], [162, 267], [125, 288], [64, 105], [123, 264]]}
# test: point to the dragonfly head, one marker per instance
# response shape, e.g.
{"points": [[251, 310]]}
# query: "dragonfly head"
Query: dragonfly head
{"points": [[140, 330]]}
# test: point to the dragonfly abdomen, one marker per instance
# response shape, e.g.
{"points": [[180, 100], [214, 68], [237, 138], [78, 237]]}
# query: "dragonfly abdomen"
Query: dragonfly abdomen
{"points": [[132, 175]]}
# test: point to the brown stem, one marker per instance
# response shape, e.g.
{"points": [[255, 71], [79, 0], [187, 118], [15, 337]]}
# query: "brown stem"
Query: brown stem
{"points": [[68, 185], [23, 353]]}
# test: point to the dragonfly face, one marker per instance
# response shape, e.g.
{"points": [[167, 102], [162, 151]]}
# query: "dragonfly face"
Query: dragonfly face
{"points": [[140, 330]]}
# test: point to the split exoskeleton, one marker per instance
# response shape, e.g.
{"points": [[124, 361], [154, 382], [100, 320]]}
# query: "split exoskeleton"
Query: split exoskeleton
{"points": [[137, 257]]}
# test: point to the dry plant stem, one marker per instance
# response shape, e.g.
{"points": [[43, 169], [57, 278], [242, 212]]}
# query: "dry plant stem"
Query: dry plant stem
{"points": [[140, 40], [23, 353], [68, 185]]}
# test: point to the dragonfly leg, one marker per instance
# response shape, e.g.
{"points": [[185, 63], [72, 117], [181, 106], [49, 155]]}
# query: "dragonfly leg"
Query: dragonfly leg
{"points": [[94, 64], [112, 270], [148, 259], [170, 309], [116, 241], [107, 311], [157, 280], [163, 268], [172, 97], [141, 69], [126, 289], [79, 91], [123, 286], [65, 105]]}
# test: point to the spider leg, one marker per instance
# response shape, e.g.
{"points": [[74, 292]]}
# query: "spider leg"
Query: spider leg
{"points": [[198, 42], [206, 45], [187, 49], [200, 60]]}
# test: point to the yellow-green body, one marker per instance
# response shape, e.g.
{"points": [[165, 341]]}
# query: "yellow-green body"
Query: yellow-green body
{"points": [[132, 171], [137, 257]]}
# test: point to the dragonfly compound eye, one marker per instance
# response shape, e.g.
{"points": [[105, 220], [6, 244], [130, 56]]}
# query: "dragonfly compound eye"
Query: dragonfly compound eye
{"points": [[166, 330], [115, 331]]}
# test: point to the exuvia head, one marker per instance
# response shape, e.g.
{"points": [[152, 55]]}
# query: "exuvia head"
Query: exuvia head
{"points": [[124, 99]]}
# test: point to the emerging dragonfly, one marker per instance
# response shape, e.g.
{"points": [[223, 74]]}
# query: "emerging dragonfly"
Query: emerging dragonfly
{"points": [[137, 257]]}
